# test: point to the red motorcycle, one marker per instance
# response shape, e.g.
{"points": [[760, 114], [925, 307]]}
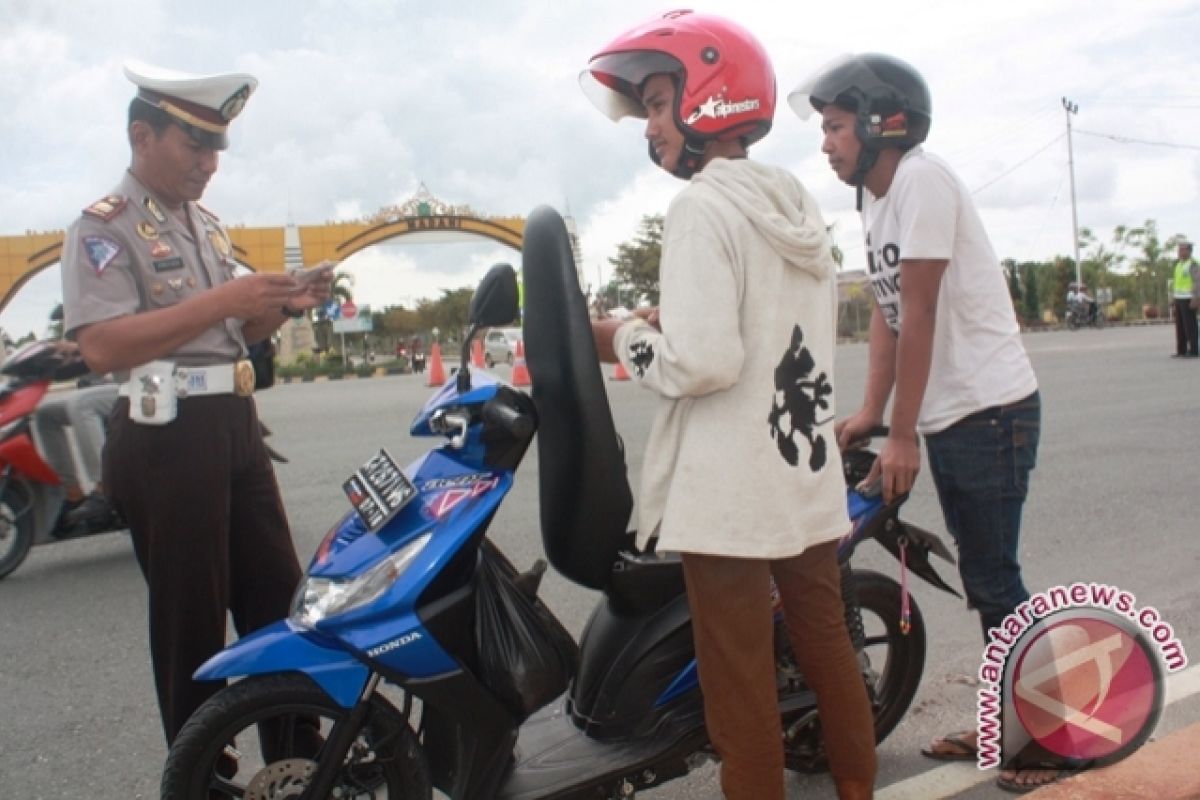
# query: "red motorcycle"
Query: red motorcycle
{"points": [[31, 495]]}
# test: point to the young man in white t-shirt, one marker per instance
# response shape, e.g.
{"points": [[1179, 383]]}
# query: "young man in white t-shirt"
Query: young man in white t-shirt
{"points": [[943, 336]]}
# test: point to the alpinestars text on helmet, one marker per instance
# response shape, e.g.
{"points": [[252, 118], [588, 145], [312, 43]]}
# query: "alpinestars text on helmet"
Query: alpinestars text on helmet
{"points": [[718, 108]]}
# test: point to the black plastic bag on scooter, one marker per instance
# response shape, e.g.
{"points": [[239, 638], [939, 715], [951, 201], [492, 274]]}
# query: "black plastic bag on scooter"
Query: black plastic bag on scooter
{"points": [[526, 656]]}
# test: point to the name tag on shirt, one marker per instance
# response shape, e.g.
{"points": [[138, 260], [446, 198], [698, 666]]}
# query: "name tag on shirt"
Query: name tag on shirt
{"points": [[168, 264]]}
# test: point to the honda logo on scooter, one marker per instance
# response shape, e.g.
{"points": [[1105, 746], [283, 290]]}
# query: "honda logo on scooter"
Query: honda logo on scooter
{"points": [[394, 644]]}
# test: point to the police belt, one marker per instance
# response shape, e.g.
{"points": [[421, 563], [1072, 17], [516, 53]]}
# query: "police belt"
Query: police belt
{"points": [[236, 378]]}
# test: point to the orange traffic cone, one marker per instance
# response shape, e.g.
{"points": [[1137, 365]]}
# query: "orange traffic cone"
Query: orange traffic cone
{"points": [[520, 373], [437, 373], [620, 373], [477, 354]]}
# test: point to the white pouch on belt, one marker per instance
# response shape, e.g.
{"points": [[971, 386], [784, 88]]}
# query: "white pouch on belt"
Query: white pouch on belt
{"points": [[152, 398]]}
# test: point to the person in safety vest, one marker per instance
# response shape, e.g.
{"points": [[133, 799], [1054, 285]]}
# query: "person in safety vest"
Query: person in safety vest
{"points": [[1187, 301]]}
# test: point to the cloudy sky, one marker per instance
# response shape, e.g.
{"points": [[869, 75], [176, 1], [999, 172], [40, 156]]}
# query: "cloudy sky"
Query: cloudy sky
{"points": [[361, 101]]}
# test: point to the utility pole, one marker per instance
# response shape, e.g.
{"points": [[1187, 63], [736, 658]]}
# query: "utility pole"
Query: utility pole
{"points": [[1073, 108]]}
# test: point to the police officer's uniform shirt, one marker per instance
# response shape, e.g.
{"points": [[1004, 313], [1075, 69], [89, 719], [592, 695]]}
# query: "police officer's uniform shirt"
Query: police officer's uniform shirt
{"points": [[978, 358], [128, 253]]}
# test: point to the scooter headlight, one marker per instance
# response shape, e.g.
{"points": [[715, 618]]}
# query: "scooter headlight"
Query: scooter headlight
{"points": [[318, 599]]}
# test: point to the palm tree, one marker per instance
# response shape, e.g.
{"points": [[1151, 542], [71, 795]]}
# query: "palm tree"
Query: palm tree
{"points": [[342, 281], [55, 329], [342, 293], [1152, 264]]}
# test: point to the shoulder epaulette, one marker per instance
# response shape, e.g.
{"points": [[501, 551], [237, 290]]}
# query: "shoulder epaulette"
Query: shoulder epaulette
{"points": [[107, 207]]}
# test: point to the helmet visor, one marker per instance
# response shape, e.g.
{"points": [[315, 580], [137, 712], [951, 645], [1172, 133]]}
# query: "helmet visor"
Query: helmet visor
{"points": [[613, 81], [826, 83]]}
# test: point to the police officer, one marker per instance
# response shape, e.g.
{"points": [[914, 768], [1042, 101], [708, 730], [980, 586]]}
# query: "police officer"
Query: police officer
{"points": [[1186, 285], [150, 295]]}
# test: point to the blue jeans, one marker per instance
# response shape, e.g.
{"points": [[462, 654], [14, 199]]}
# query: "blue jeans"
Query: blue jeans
{"points": [[980, 466]]}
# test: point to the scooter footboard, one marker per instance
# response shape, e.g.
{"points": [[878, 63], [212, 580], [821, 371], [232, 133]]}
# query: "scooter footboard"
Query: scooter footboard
{"points": [[283, 648]]}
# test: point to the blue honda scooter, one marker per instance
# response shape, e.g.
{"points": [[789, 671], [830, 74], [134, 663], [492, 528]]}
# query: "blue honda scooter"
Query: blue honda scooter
{"points": [[417, 657]]}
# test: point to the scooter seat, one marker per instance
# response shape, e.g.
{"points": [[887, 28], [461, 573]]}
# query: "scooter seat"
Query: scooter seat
{"points": [[642, 583]]}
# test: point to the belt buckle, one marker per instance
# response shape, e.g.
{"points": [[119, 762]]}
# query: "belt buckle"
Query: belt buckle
{"points": [[243, 378]]}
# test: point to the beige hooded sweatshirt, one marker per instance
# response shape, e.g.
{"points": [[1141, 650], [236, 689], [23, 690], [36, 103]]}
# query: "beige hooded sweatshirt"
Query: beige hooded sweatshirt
{"points": [[741, 460]]}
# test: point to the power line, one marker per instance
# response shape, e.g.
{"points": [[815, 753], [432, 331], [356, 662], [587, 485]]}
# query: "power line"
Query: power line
{"points": [[1131, 140], [1171, 104], [1020, 163], [1046, 216], [1009, 136]]}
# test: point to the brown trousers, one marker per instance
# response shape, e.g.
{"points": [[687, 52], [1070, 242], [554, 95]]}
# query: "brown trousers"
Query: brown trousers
{"points": [[730, 603], [209, 532]]}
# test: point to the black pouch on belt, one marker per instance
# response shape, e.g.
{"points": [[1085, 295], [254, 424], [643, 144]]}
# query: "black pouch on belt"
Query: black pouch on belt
{"points": [[262, 356]]}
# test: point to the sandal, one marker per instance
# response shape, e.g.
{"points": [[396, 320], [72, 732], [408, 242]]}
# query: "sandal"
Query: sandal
{"points": [[952, 747], [1058, 772]]}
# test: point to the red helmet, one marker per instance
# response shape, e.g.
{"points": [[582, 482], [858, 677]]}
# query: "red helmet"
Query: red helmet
{"points": [[726, 85]]}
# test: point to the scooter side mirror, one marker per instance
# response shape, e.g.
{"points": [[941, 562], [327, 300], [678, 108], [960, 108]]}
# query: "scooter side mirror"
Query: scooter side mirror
{"points": [[495, 302]]}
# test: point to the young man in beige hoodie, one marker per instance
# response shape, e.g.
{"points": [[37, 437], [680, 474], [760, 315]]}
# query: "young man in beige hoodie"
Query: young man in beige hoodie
{"points": [[742, 473]]}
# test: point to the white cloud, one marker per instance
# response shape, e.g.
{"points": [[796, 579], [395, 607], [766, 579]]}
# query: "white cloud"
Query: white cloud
{"points": [[361, 101]]}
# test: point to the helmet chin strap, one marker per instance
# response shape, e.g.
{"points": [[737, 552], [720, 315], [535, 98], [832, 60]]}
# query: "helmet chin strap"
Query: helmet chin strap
{"points": [[866, 160], [691, 157]]}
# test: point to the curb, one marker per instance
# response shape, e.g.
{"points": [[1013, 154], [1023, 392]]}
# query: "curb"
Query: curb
{"points": [[1162, 769], [380, 372]]}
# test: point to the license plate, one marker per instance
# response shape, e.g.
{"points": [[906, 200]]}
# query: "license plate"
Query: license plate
{"points": [[378, 490]]}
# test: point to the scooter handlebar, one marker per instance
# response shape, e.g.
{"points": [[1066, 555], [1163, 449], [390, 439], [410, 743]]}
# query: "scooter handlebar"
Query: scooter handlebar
{"points": [[501, 414]]}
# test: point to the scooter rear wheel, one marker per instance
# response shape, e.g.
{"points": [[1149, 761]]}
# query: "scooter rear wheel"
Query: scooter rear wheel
{"points": [[16, 528], [261, 738], [892, 662]]}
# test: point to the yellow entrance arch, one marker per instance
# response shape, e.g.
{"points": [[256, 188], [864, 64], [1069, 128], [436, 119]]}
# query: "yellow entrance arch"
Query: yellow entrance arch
{"points": [[277, 248]]}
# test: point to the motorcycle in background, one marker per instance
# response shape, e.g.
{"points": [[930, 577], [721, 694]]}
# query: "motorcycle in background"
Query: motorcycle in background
{"points": [[31, 495], [417, 656], [1082, 314]]}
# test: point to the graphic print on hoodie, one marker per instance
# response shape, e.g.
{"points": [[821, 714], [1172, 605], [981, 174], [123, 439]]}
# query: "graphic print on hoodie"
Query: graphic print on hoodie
{"points": [[641, 353], [801, 399]]}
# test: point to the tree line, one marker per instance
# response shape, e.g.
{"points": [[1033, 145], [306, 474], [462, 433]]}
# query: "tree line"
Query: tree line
{"points": [[391, 324], [1134, 264]]}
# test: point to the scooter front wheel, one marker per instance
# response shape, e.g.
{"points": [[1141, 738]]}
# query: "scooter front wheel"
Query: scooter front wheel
{"points": [[892, 659], [16, 528], [262, 738]]}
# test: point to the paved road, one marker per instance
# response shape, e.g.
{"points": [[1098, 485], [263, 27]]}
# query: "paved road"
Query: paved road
{"points": [[1112, 502]]}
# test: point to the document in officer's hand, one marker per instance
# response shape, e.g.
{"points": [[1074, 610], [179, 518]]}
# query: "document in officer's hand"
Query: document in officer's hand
{"points": [[306, 275]]}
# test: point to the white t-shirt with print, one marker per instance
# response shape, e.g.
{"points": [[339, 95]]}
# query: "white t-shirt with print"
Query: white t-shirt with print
{"points": [[978, 358]]}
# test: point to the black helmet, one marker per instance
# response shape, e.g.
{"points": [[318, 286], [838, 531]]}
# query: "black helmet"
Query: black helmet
{"points": [[888, 97]]}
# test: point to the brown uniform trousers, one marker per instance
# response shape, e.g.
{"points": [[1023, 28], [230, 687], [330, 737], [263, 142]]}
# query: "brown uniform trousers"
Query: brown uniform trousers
{"points": [[209, 532], [730, 603]]}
